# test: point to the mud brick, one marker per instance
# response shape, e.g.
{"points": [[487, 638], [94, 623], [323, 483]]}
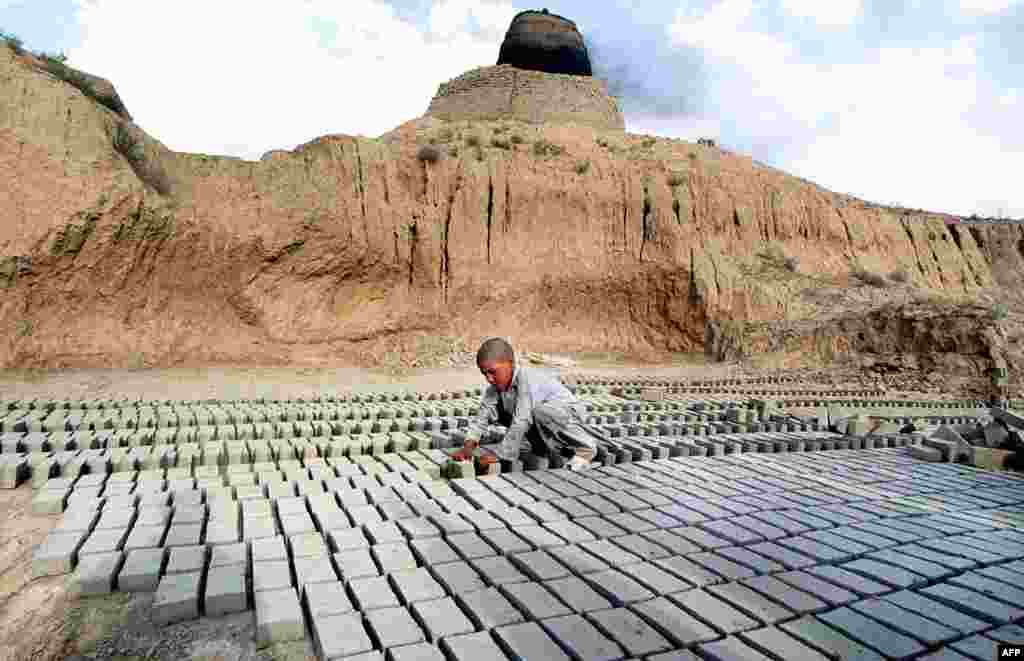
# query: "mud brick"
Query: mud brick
{"points": [[759, 527], [418, 527], [528, 641], [600, 527], [498, 570], [569, 531], [393, 557], [505, 541], [393, 627], [384, 533], [441, 618], [416, 585], [924, 606], [619, 587], [229, 554], [538, 536], [268, 575], [177, 598], [781, 645], [373, 592], [535, 600], [826, 639], [721, 565], [743, 556], [433, 550], [540, 565], [268, 548], [471, 546], [457, 577], [701, 538], [716, 612], [797, 601], [850, 580], [609, 553], [813, 549], [451, 524], [512, 516], [473, 647], [141, 571], [944, 558], [630, 631], [887, 641], [483, 520], [927, 631], [578, 560], [186, 559], [599, 504], [578, 595], [786, 557], [323, 599], [689, 571], [671, 542], [573, 507], [674, 622], [655, 578], [642, 546], [226, 590], [630, 522], [751, 602], [818, 587], [95, 573], [976, 647], [343, 635], [581, 639], [992, 588], [315, 569], [488, 608], [355, 563]]}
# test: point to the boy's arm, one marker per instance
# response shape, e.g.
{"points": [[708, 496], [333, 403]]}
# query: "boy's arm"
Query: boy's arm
{"points": [[488, 412], [520, 424]]}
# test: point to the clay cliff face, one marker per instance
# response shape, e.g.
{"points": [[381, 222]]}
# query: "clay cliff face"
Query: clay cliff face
{"points": [[350, 249]]}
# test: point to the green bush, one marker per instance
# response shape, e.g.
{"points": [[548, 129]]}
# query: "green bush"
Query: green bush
{"points": [[544, 148], [428, 154], [582, 167], [1000, 311], [127, 145]]}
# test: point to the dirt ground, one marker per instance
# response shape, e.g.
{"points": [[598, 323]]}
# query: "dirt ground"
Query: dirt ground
{"points": [[40, 621]]}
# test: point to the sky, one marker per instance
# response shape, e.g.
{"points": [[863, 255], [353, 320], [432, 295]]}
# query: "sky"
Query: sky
{"points": [[915, 103]]}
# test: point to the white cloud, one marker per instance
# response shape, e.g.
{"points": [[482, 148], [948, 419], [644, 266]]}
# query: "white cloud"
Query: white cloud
{"points": [[987, 6], [240, 78], [903, 134], [830, 13]]}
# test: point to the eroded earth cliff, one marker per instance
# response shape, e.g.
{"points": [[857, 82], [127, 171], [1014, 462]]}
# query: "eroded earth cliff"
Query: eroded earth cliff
{"points": [[115, 250]]}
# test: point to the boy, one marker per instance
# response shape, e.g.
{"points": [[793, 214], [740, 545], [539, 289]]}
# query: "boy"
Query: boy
{"points": [[534, 407]]}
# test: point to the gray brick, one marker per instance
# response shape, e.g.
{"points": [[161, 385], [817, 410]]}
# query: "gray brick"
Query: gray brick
{"points": [[393, 557], [489, 608], [581, 639], [578, 595], [498, 570], [271, 575], [226, 590], [689, 571], [751, 602], [418, 527], [540, 565], [441, 618], [433, 550], [458, 577], [473, 647], [731, 648], [372, 592], [845, 549], [95, 573], [578, 560], [630, 631], [954, 562], [701, 538], [505, 541], [992, 588], [314, 570], [673, 543], [964, 550], [268, 548], [655, 578], [798, 601], [538, 536], [177, 599], [786, 557], [141, 571], [765, 530], [1011, 633], [528, 641], [828, 640], [928, 570], [186, 559], [355, 563], [924, 630], [714, 611], [618, 587], [850, 581], [922, 605], [341, 636], [976, 647], [672, 621], [779, 644], [888, 642], [612, 554], [393, 627], [471, 545], [417, 585], [536, 601], [722, 566], [755, 561], [324, 599], [885, 573], [818, 587], [677, 655]]}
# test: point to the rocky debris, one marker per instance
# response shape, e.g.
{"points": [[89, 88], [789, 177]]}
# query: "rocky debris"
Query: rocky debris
{"points": [[541, 41]]}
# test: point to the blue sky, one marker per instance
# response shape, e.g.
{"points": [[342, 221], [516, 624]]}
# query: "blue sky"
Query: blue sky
{"points": [[914, 102]]}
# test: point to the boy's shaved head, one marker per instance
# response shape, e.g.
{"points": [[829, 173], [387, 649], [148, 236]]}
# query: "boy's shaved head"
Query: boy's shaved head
{"points": [[495, 350]]}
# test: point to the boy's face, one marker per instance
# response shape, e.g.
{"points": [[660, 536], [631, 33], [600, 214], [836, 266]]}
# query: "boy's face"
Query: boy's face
{"points": [[497, 373]]}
